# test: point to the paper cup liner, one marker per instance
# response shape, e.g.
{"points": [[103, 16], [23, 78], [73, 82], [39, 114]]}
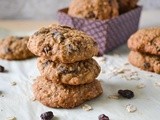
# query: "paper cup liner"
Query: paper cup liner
{"points": [[109, 34]]}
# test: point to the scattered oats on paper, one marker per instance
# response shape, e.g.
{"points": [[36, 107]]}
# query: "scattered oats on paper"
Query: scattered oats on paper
{"points": [[87, 107], [11, 118], [131, 108], [113, 96], [141, 85]]}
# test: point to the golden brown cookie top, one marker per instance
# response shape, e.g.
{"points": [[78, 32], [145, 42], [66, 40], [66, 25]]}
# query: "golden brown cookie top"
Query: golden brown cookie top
{"points": [[64, 96], [62, 43], [146, 41], [77, 73], [14, 48], [94, 9]]}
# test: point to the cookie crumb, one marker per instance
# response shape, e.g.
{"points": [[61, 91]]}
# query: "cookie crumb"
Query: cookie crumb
{"points": [[1, 94], [13, 83], [12, 118], [126, 63], [87, 107], [113, 96], [131, 108], [33, 98], [141, 85], [2, 69], [157, 84]]}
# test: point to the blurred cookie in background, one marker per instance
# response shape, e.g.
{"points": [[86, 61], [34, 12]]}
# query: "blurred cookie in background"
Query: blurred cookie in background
{"points": [[126, 5], [14, 48], [94, 9]]}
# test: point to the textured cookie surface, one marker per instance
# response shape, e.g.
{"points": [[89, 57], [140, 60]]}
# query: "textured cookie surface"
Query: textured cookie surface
{"points": [[64, 96], [14, 48], [145, 62], [62, 43], [94, 9], [81, 72], [146, 41], [126, 5]]}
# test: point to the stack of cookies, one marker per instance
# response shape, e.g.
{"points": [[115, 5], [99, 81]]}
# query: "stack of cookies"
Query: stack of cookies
{"points": [[145, 46], [66, 65]]}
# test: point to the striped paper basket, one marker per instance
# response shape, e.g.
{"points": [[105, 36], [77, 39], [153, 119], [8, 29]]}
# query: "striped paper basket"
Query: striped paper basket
{"points": [[109, 34]]}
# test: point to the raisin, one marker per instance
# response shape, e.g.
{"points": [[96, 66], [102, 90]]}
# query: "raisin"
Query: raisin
{"points": [[2, 69], [47, 49], [65, 70], [47, 62], [47, 115], [146, 65], [71, 48], [103, 117], [126, 93], [91, 15], [58, 36]]}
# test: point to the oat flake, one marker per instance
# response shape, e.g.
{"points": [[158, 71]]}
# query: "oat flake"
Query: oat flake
{"points": [[11, 118], [113, 97], [140, 86], [13, 83], [131, 108], [157, 84], [87, 107]]}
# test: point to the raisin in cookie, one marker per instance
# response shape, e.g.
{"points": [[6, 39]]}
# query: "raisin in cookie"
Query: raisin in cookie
{"points": [[94, 9], [146, 41], [64, 96], [126, 5], [81, 72], [62, 43], [145, 61], [14, 48]]}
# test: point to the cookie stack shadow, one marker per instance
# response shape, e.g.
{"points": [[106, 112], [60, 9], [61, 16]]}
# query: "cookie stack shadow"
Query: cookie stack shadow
{"points": [[68, 71], [145, 49]]}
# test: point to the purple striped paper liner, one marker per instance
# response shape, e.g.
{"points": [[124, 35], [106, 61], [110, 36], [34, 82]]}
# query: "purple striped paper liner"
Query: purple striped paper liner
{"points": [[109, 34]]}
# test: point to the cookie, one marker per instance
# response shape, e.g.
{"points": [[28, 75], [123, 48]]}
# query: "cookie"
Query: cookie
{"points": [[146, 41], [15, 48], [145, 61], [62, 43], [94, 9], [81, 72], [127, 5], [64, 96]]}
